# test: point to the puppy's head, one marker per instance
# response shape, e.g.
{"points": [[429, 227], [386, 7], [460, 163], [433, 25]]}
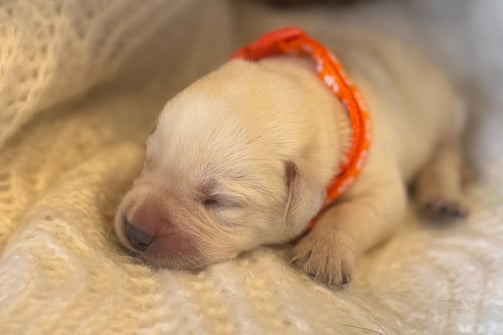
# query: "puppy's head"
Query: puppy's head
{"points": [[224, 172]]}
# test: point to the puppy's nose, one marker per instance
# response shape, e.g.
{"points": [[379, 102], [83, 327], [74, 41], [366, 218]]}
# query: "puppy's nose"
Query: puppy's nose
{"points": [[139, 239]]}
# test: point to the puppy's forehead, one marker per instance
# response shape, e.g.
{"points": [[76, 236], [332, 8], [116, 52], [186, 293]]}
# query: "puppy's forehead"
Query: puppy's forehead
{"points": [[218, 127], [196, 141], [197, 127]]}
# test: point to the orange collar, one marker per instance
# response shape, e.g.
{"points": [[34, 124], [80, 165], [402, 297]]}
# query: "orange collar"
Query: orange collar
{"points": [[295, 41]]}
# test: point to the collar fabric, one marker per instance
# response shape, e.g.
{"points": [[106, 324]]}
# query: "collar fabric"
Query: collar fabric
{"points": [[294, 41]]}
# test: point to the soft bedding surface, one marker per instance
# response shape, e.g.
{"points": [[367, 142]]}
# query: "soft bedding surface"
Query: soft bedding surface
{"points": [[81, 83]]}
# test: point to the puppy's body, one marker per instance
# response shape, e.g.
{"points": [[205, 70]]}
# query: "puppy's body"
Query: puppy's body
{"points": [[417, 121], [241, 158]]}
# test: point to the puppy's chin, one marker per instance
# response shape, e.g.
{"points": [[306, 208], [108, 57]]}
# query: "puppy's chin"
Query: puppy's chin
{"points": [[186, 263], [174, 263], [181, 252]]}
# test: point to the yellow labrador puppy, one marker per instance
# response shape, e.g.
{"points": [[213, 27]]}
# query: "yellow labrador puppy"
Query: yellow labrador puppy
{"points": [[241, 158]]}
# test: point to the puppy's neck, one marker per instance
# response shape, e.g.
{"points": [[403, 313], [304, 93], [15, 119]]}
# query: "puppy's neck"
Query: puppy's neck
{"points": [[332, 136]]}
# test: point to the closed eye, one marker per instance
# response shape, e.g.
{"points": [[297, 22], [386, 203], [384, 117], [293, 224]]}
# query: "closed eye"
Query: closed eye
{"points": [[223, 201]]}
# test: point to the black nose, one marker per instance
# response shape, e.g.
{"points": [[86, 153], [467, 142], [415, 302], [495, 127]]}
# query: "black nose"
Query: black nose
{"points": [[137, 237]]}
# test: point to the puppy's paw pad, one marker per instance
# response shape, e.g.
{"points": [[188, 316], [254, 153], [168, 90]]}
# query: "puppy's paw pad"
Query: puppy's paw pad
{"points": [[444, 208], [329, 259]]}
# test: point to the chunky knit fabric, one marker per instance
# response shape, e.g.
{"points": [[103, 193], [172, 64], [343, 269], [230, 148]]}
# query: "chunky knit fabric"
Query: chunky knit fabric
{"points": [[81, 83]]}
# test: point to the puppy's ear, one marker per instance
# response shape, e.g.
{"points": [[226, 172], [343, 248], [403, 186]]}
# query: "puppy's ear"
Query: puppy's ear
{"points": [[305, 195]]}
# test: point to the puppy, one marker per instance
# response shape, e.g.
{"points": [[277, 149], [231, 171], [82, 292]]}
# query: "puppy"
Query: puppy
{"points": [[242, 157]]}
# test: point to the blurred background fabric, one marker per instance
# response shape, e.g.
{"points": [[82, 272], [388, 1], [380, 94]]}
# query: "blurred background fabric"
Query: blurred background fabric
{"points": [[81, 83]]}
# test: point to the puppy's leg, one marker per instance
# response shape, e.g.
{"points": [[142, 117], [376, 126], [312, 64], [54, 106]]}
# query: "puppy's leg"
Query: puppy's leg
{"points": [[438, 185], [343, 232]]}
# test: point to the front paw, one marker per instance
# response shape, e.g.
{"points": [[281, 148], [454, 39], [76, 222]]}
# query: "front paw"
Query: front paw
{"points": [[328, 256]]}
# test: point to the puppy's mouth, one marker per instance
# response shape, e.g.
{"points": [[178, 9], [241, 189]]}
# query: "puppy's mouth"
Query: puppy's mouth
{"points": [[171, 250]]}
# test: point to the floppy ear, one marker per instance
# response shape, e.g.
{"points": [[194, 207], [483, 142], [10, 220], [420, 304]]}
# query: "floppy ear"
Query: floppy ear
{"points": [[305, 195]]}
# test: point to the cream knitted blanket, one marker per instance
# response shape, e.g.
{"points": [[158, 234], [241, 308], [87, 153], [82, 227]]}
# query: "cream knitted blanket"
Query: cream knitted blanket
{"points": [[80, 84]]}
